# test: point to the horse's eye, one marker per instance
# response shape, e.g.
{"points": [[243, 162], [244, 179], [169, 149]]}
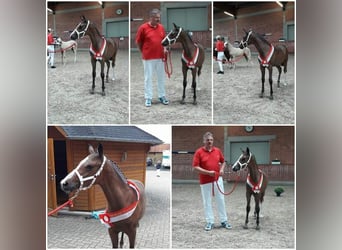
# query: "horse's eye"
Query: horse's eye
{"points": [[89, 167]]}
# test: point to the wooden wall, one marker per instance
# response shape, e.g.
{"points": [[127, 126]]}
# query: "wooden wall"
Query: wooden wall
{"points": [[134, 167]]}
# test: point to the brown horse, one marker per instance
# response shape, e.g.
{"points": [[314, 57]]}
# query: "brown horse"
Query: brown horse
{"points": [[255, 185], [269, 56], [125, 198], [192, 58], [101, 49]]}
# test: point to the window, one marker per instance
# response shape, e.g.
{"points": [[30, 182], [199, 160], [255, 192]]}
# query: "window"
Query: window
{"points": [[290, 32], [117, 28], [261, 151], [192, 19]]}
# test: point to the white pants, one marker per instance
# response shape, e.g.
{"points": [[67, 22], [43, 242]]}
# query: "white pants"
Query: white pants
{"points": [[51, 51], [207, 190], [220, 57], [151, 66]]}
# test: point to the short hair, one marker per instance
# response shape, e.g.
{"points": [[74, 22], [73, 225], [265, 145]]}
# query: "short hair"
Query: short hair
{"points": [[205, 136], [154, 12]]}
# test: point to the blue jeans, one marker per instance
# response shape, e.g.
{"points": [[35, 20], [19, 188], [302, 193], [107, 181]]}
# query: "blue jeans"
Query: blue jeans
{"points": [[151, 66], [206, 190]]}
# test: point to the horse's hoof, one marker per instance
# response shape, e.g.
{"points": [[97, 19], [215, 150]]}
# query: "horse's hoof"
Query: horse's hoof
{"points": [[261, 95], [245, 227], [257, 227], [103, 93], [271, 97], [92, 91], [182, 102], [194, 103]]}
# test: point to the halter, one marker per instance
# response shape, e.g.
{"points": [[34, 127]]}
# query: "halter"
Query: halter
{"points": [[80, 32], [93, 177], [173, 40], [243, 165], [245, 43]]}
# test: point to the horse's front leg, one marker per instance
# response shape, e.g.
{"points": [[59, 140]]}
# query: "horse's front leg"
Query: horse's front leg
{"points": [[262, 69], [102, 78], [248, 208], [114, 236], [185, 73], [93, 63], [194, 72], [270, 81], [257, 209], [131, 237]]}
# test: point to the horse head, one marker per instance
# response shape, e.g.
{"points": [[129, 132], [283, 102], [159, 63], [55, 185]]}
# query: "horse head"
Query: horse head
{"points": [[243, 160], [81, 29], [173, 35], [246, 39], [86, 172]]}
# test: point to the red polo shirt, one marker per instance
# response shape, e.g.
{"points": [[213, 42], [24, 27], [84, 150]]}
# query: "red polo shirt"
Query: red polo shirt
{"points": [[209, 161], [150, 39], [219, 46]]}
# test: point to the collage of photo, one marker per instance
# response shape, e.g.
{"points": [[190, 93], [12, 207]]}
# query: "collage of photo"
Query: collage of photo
{"points": [[171, 125]]}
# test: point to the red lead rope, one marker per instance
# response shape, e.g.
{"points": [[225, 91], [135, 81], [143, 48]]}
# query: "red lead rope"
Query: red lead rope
{"points": [[69, 202], [228, 193], [168, 62]]}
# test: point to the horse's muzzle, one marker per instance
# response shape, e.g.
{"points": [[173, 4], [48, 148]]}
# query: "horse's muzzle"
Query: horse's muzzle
{"points": [[68, 186]]}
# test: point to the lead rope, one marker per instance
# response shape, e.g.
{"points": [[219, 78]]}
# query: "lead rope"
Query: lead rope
{"points": [[168, 62], [228, 193]]}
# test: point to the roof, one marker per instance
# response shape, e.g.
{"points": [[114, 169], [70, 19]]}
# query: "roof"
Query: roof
{"points": [[110, 133]]}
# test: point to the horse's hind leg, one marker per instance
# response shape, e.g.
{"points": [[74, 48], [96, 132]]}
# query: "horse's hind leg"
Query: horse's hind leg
{"points": [[131, 237], [113, 65], [122, 240]]}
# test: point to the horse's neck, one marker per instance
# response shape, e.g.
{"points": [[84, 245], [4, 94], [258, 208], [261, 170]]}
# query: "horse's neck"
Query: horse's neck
{"points": [[115, 189], [188, 46], [254, 171], [261, 46], [95, 38]]}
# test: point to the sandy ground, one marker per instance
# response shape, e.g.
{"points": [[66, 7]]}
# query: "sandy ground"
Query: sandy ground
{"points": [[277, 226], [69, 100], [175, 112], [236, 95]]}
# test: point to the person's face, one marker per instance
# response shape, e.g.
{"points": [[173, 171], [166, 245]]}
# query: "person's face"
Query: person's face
{"points": [[155, 19], [208, 141]]}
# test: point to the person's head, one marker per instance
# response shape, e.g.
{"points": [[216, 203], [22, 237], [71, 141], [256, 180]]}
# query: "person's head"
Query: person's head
{"points": [[208, 140], [154, 17], [218, 37], [49, 30]]}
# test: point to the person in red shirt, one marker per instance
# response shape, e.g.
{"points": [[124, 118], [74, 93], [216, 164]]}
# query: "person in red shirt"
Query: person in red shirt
{"points": [[51, 48], [148, 40], [219, 47], [209, 163]]}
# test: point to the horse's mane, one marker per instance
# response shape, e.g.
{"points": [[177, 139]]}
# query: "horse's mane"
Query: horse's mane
{"points": [[187, 33], [97, 31], [118, 171], [261, 37]]}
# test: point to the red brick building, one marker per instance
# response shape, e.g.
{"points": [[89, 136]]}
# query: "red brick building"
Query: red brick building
{"points": [[273, 146]]}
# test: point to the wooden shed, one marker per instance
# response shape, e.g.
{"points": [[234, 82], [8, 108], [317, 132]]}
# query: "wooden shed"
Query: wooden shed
{"points": [[68, 145]]}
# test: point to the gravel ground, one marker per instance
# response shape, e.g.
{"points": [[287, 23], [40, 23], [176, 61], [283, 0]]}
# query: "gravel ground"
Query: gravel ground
{"points": [[277, 226]]}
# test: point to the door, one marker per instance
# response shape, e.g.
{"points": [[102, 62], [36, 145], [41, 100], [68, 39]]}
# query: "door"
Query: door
{"points": [[51, 177]]}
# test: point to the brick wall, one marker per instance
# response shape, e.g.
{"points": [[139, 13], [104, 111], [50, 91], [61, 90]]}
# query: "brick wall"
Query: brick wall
{"points": [[265, 18], [67, 17]]}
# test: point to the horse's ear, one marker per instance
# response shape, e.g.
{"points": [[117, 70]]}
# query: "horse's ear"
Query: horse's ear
{"points": [[83, 18], [91, 149], [100, 150], [247, 151], [175, 25]]}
